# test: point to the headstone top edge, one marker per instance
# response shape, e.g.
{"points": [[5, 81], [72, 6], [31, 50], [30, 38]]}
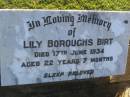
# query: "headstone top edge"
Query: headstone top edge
{"points": [[46, 10]]}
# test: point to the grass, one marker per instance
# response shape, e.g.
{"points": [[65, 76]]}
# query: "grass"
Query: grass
{"points": [[67, 4]]}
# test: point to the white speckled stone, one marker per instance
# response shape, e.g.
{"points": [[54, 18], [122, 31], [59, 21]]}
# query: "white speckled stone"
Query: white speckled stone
{"points": [[14, 29]]}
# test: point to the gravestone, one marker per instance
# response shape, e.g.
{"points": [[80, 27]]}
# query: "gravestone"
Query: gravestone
{"points": [[38, 46]]}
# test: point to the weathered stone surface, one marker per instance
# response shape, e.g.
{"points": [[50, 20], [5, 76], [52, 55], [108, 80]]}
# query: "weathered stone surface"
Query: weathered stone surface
{"points": [[126, 76], [24, 32]]}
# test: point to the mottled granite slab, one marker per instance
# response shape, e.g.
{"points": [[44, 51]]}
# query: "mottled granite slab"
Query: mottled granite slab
{"points": [[38, 46]]}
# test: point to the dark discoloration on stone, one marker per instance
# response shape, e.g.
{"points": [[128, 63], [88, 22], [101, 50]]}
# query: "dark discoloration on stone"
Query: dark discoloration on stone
{"points": [[90, 88]]}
